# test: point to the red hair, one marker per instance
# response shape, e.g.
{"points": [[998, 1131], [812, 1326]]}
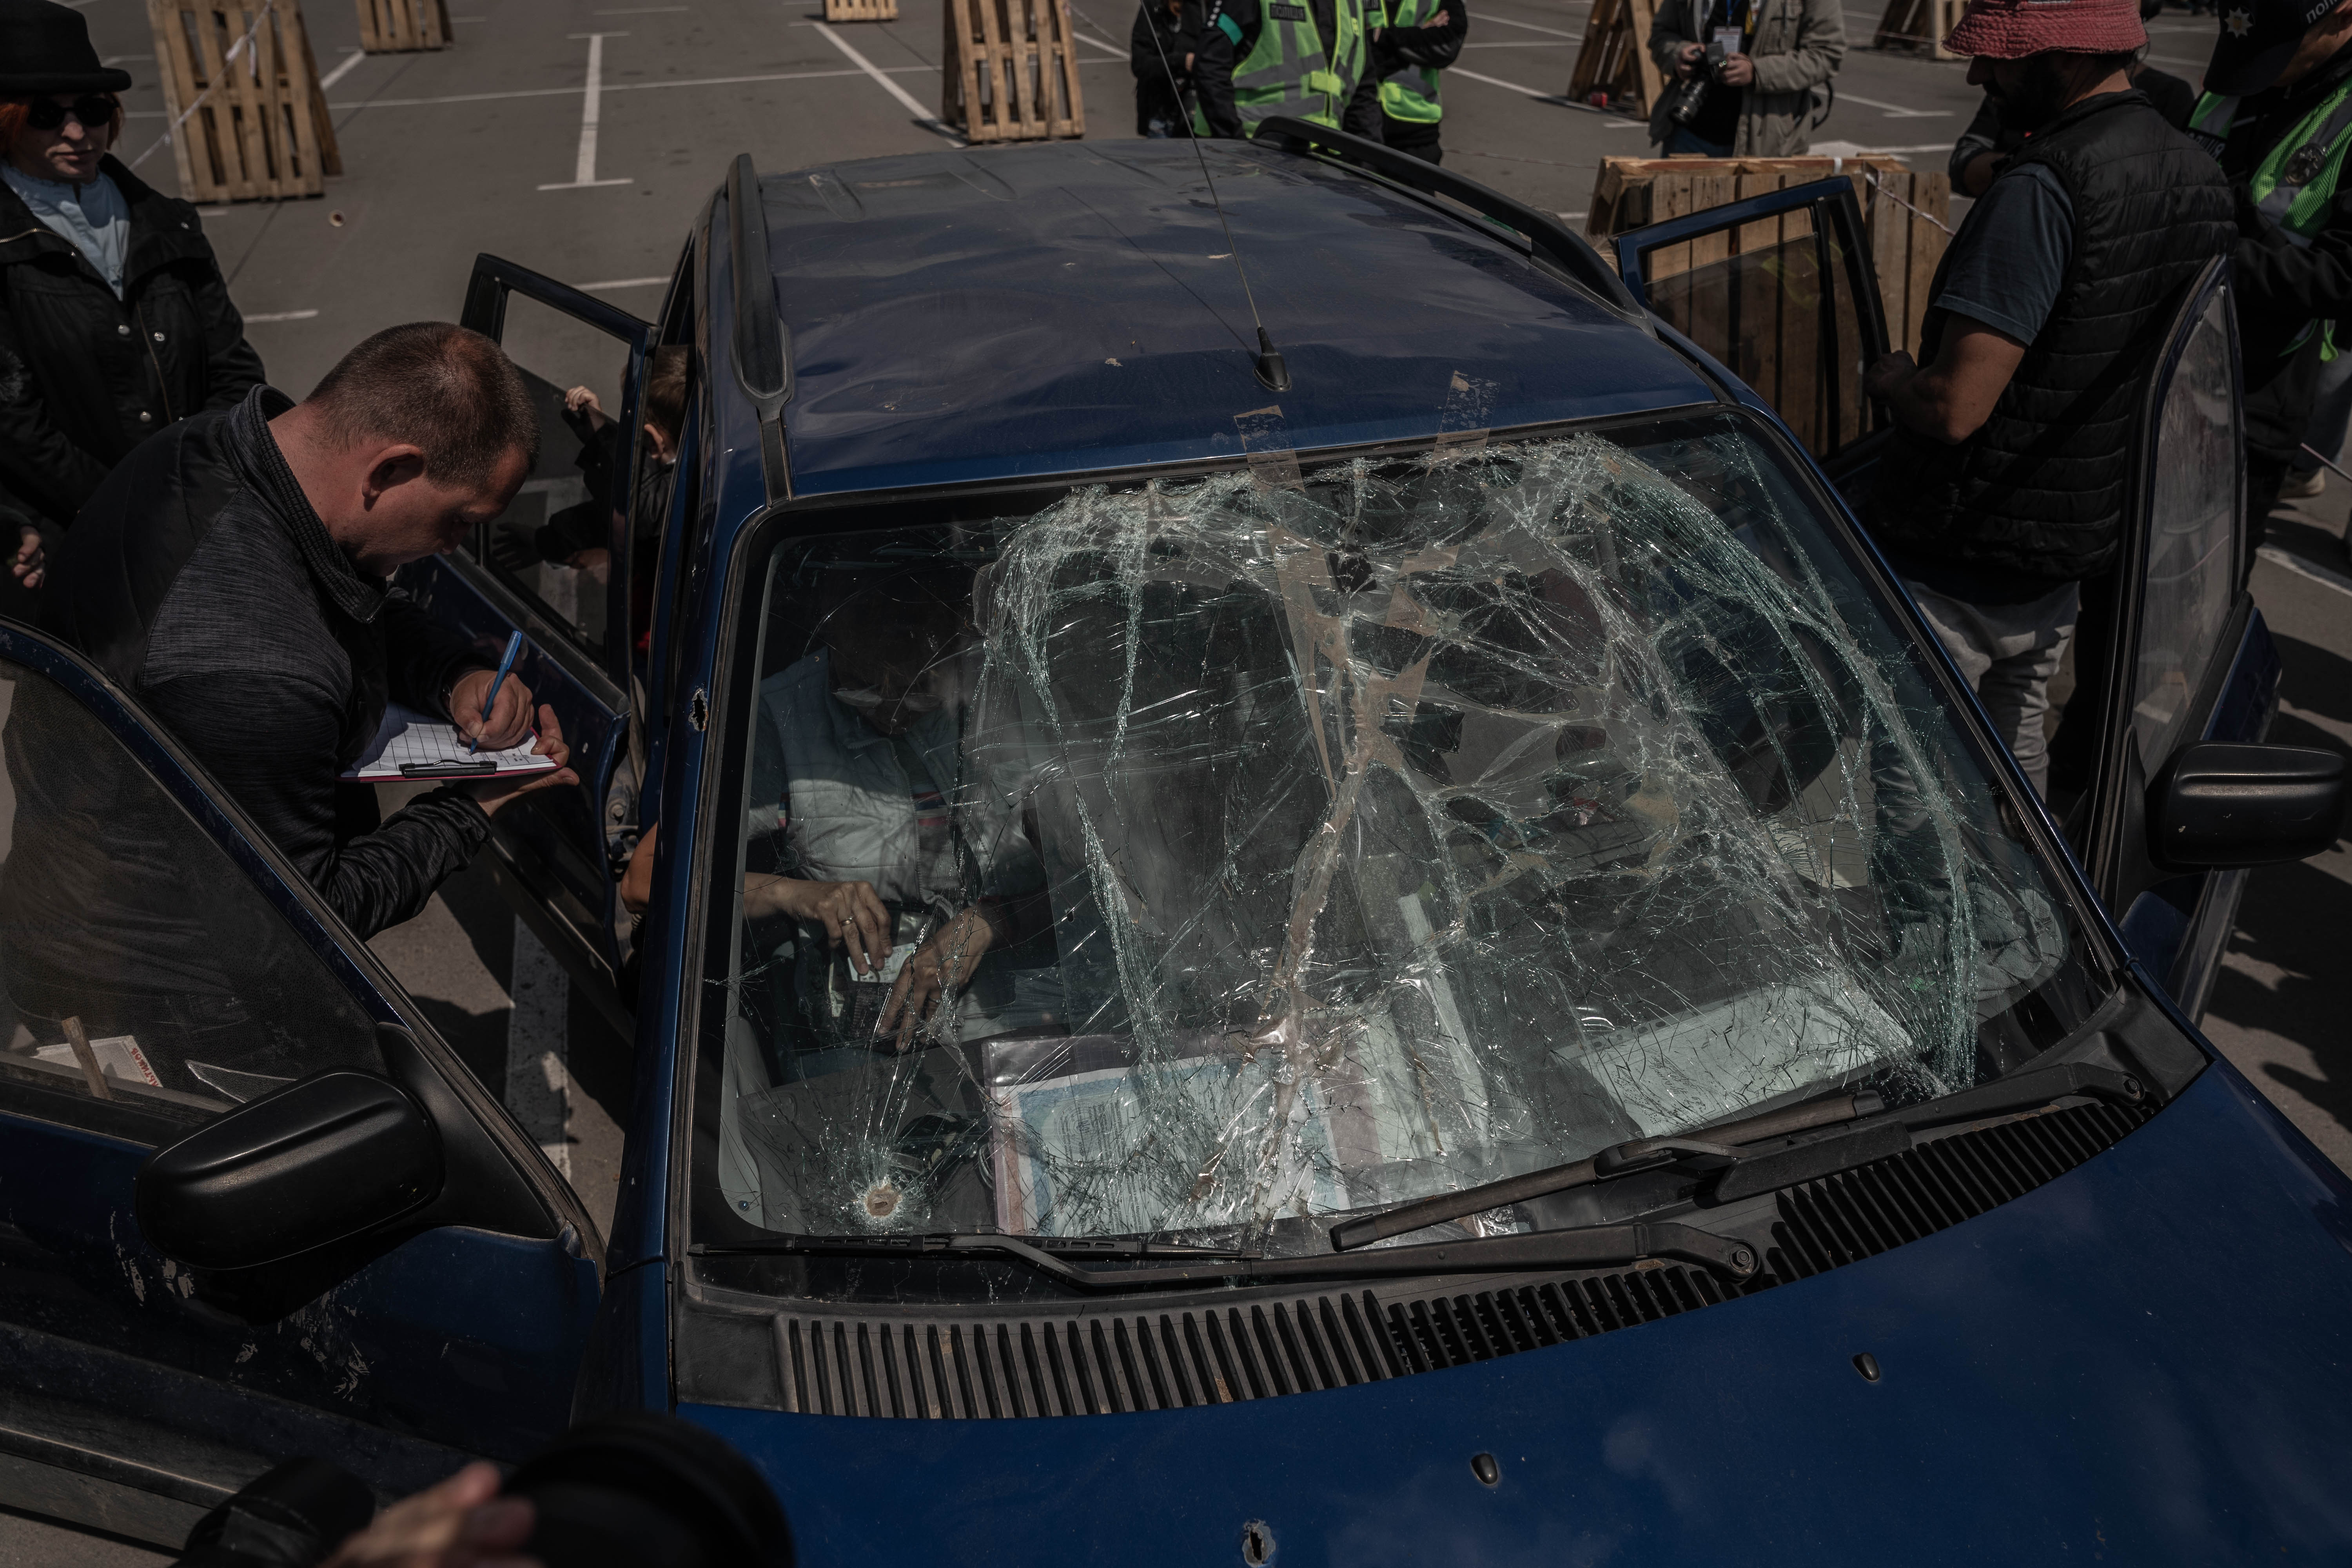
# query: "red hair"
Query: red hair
{"points": [[13, 111]]}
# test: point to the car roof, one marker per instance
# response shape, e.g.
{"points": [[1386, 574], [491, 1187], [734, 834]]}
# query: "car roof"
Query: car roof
{"points": [[957, 316]]}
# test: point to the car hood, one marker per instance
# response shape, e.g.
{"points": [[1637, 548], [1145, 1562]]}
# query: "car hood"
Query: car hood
{"points": [[2148, 1360]]}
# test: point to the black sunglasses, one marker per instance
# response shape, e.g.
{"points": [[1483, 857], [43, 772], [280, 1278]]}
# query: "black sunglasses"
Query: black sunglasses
{"points": [[96, 112]]}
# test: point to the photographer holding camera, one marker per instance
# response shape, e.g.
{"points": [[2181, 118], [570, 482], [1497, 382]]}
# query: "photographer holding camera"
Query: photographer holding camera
{"points": [[1745, 74]]}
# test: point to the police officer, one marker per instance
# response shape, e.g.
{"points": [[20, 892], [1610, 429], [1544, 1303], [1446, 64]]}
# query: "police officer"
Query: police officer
{"points": [[1417, 40], [1259, 58], [2277, 112]]}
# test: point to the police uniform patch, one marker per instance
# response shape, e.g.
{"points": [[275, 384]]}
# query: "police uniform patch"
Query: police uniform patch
{"points": [[2305, 166], [1286, 13]]}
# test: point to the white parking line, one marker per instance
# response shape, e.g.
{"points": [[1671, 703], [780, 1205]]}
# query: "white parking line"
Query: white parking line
{"points": [[1895, 110], [592, 109], [539, 1047], [1530, 27], [281, 316], [609, 86], [2302, 568], [620, 283], [351, 58], [922, 116]]}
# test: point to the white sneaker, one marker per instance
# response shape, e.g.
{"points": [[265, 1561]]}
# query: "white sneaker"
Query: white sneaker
{"points": [[2303, 486]]}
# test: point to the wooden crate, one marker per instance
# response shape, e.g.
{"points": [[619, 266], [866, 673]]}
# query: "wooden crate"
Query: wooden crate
{"points": [[861, 10], [1010, 70], [1905, 245], [402, 27], [241, 88], [1918, 27], [1764, 320], [1614, 58]]}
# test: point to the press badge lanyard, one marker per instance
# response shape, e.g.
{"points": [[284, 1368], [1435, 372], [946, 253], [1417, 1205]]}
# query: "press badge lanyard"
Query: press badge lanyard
{"points": [[1734, 36]]}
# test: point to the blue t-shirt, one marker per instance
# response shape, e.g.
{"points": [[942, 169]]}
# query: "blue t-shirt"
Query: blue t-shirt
{"points": [[2006, 264]]}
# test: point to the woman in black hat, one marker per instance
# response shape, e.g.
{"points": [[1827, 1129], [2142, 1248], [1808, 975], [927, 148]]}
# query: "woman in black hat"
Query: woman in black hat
{"points": [[114, 318]]}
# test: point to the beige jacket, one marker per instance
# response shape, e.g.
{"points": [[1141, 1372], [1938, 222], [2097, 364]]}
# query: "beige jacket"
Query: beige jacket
{"points": [[1798, 47]]}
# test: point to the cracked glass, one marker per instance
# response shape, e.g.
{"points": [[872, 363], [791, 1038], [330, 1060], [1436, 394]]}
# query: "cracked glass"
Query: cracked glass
{"points": [[1209, 859]]}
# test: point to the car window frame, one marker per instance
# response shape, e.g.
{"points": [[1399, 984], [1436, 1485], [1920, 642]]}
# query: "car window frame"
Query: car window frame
{"points": [[698, 1029], [492, 282], [2118, 861], [350, 961]]}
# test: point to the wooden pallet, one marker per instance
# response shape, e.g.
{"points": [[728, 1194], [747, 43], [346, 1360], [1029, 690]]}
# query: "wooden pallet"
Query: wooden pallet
{"points": [[1918, 27], [861, 10], [1010, 71], [1764, 320], [258, 130], [1614, 58], [402, 27]]}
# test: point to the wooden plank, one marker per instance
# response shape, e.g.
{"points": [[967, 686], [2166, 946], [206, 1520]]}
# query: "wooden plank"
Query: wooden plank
{"points": [[1932, 193], [1710, 310], [166, 25], [1757, 244]]}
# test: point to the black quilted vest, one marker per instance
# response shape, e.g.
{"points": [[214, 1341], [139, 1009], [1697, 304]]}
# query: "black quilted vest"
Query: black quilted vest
{"points": [[2039, 492]]}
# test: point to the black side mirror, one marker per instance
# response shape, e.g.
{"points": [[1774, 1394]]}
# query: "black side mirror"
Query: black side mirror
{"points": [[2217, 806], [318, 1162]]}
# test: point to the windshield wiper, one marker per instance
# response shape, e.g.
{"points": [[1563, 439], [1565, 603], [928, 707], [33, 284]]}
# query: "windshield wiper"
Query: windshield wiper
{"points": [[1709, 1147], [1595, 1247], [1745, 1173]]}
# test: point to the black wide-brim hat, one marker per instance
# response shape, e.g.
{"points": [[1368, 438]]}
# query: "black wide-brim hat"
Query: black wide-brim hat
{"points": [[46, 48]]}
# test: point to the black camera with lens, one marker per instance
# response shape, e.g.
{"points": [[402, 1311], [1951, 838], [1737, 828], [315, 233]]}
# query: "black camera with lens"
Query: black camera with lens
{"points": [[1685, 99]]}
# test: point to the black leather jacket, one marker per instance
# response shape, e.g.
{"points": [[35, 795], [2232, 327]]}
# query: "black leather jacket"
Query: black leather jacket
{"points": [[202, 581], [84, 376]]}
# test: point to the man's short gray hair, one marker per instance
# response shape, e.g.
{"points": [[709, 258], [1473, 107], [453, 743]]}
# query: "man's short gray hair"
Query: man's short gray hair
{"points": [[445, 389]]}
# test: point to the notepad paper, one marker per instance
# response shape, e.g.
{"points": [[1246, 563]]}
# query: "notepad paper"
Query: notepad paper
{"points": [[408, 738]]}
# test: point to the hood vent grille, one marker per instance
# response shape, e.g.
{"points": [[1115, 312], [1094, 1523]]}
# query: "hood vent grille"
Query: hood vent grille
{"points": [[1858, 1214], [1103, 1364]]}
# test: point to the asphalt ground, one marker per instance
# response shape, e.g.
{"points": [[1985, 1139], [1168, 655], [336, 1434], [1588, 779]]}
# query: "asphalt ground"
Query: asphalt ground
{"points": [[498, 144]]}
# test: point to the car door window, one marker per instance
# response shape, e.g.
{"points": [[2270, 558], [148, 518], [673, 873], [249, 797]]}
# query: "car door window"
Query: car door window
{"points": [[554, 545], [148, 984], [2191, 569], [1773, 288]]}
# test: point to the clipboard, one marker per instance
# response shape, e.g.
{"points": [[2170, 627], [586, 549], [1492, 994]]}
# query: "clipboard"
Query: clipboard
{"points": [[407, 745]]}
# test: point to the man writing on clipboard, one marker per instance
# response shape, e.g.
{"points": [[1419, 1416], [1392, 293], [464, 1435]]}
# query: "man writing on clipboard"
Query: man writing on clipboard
{"points": [[234, 572]]}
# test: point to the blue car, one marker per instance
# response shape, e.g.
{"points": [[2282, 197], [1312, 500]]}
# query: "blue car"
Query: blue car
{"points": [[1267, 785]]}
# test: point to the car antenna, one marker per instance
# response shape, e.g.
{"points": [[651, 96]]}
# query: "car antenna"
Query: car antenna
{"points": [[1268, 363]]}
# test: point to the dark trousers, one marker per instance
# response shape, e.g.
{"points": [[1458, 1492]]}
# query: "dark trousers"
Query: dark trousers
{"points": [[1414, 136]]}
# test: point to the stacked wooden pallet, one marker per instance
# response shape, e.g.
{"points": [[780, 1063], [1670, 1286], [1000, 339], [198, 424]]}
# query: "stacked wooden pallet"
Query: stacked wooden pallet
{"points": [[1010, 71], [1918, 27], [1614, 59], [241, 87], [402, 27], [861, 10], [1763, 297]]}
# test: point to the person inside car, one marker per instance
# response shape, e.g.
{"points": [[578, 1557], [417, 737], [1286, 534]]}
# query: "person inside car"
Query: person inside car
{"points": [[898, 875], [580, 536], [115, 321]]}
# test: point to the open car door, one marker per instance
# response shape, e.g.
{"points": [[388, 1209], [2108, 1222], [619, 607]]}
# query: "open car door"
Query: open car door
{"points": [[1777, 285], [558, 567], [2188, 658], [170, 979]]}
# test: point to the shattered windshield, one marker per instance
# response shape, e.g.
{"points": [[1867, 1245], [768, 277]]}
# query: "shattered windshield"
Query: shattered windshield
{"points": [[1209, 859]]}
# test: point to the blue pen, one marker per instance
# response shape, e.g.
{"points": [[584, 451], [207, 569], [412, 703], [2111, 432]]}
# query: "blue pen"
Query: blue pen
{"points": [[514, 646]]}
